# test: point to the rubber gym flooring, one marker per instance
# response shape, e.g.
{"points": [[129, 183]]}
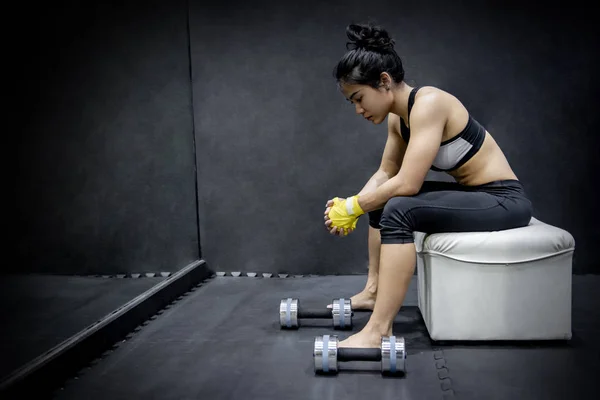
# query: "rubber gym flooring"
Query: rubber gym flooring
{"points": [[40, 311], [222, 340]]}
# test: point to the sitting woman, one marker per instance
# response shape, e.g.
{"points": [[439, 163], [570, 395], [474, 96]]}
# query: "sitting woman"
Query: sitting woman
{"points": [[428, 129]]}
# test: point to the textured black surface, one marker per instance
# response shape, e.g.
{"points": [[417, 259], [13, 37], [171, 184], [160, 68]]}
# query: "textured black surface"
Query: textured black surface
{"points": [[526, 373], [223, 341], [38, 312], [105, 176]]}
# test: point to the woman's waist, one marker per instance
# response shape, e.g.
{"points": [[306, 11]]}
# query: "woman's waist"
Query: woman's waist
{"points": [[505, 187]]}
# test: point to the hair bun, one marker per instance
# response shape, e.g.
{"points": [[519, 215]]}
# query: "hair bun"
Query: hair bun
{"points": [[369, 37]]}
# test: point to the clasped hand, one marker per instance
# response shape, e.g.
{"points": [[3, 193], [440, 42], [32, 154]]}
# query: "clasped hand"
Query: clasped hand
{"points": [[341, 215]]}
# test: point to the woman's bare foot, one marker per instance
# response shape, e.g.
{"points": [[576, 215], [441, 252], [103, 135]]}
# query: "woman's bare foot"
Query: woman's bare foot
{"points": [[366, 338], [364, 300]]}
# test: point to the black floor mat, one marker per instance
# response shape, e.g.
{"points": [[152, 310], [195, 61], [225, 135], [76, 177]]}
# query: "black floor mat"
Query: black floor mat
{"points": [[223, 341], [40, 311]]}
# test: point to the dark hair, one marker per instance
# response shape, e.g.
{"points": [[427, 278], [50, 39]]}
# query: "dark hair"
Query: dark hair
{"points": [[371, 53]]}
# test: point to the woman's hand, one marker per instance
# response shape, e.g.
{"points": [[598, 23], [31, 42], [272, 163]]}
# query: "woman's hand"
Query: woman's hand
{"points": [[334, 231]]}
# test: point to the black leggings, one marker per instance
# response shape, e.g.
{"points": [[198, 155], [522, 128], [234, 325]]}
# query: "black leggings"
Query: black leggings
{"points": [[452, 207]]}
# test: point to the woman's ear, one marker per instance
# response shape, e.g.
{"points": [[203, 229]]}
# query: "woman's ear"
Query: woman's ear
{"points": [[386, 80]]}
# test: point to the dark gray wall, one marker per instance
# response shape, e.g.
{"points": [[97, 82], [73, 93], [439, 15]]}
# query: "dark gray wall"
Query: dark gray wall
{"points": [[105, 177], [275, 139]]}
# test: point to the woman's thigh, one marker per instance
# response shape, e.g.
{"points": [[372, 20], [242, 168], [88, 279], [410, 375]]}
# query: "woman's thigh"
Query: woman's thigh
{"points": [[456, 211], [426, 187], [451, 207]]}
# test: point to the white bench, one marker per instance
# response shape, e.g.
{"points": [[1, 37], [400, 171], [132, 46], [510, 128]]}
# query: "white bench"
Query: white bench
{"points": [[500, 285]]}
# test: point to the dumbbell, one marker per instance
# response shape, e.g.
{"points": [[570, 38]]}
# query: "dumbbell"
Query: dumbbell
{"points": [[327, 355], [290, 312]]}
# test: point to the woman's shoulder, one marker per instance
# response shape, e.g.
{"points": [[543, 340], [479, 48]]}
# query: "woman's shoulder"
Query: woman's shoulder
{"points": [[435, 99], [431, 93]]}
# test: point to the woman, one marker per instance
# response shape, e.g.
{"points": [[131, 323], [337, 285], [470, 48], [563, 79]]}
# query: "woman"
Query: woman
{"points": [[428, 128]]}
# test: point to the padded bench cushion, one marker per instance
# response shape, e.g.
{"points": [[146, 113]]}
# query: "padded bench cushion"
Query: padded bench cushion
{"points": [[533, 242]]}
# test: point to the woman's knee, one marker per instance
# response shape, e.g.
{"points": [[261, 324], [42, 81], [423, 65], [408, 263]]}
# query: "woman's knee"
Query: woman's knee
{"points": [[396, 222], [392, 212], [375, 218]]}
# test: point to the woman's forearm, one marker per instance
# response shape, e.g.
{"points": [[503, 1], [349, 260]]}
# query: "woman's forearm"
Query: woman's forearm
{"points": [[378, 179]]}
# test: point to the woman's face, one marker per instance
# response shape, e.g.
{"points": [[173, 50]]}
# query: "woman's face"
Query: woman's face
{"points": [[370, 103]]}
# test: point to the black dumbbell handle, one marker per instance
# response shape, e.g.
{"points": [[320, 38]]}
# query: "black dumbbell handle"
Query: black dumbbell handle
{"points": [[354, 354], [326, 313]]}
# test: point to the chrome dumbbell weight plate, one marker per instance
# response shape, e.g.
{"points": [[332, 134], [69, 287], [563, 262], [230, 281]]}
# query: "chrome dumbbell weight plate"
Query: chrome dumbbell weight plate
{"points": [[288, 313], [325, 354], [393, 356], [342, 313]]}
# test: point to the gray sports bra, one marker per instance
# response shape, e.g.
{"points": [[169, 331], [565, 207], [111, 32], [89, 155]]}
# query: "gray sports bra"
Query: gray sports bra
{"points": [[453, 152]]}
